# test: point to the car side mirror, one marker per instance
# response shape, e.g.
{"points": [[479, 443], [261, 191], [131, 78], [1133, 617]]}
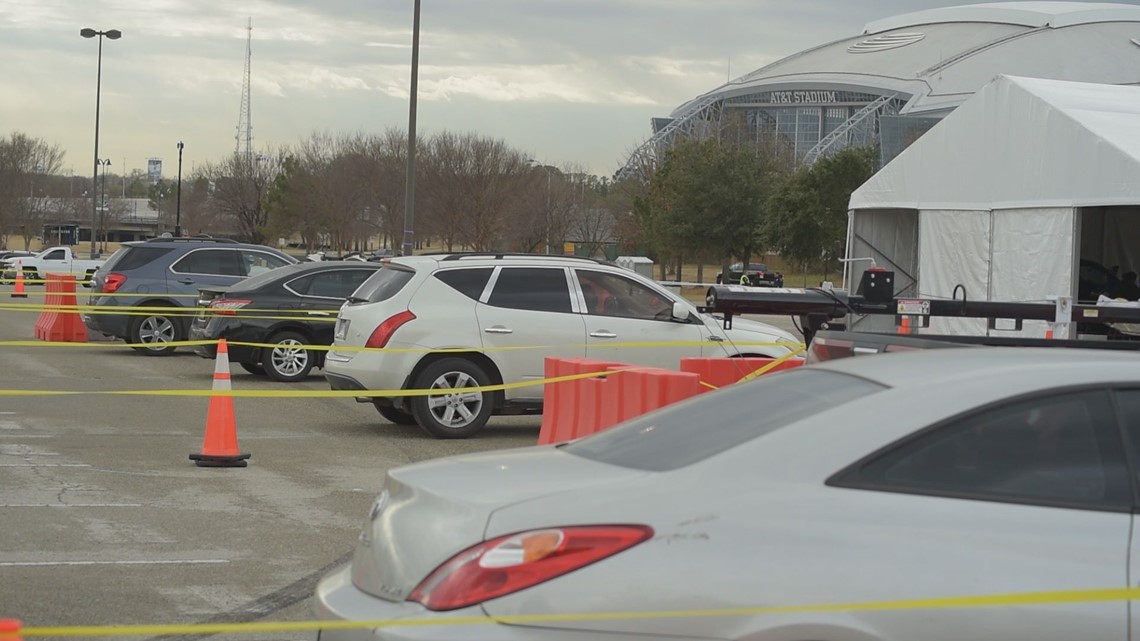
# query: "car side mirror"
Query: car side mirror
{"points": [[681, 312]]}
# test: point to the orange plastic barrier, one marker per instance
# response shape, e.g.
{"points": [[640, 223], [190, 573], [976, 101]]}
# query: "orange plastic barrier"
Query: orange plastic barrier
{"points": [[718, 372], [574, 409], [57, 323], [562, 401]]}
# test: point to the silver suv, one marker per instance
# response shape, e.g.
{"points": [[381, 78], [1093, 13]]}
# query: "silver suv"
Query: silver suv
{"points": [[162, 276], [454, 321]]}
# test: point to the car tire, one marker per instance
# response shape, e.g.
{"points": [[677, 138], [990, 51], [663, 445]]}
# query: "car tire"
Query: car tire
{"points": [[147, 333], [452, 415], [253, 368], [394, 415], [287, 361]]}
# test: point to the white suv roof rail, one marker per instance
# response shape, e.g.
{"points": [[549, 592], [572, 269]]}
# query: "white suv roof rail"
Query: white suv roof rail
{"points": [[501, 255]]}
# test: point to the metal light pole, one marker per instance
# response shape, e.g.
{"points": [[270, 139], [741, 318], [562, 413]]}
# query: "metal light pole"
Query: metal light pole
{"points": [[106, 162], [112, 34], [410, 188], [178, 205]]}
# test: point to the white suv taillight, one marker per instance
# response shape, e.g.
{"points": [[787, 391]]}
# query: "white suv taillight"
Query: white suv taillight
{"points": [[382, 334], [514, 562]]}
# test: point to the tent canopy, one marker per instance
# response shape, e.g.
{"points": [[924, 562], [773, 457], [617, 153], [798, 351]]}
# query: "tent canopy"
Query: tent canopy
{"points": [[1020, 143]]}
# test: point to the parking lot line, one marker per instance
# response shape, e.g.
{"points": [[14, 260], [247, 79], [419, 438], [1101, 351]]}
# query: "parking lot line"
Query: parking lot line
{"points": [[25, 564], [44, 465], [4, 505]]}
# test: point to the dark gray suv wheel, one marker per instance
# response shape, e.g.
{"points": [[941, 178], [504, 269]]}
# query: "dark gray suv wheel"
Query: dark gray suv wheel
{"points": [[151, 334]]}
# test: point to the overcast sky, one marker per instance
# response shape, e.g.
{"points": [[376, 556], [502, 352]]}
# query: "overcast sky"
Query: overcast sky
{"points": [[566, 81]]}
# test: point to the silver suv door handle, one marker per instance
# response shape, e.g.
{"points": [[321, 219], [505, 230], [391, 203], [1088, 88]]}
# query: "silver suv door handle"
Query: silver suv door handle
{"points": [[499, 329], [603, 334]]}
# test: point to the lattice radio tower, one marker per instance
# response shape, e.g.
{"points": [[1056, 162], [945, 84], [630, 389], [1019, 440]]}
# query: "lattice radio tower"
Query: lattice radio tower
{"points": [[243, 146]]}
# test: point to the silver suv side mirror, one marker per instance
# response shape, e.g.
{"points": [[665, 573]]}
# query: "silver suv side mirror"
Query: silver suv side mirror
{"points": [[681, 312]]}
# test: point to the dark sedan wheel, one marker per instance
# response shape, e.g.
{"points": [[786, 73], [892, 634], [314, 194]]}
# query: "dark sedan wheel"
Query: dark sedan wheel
{"points": [[152, 334], [287, 361]]}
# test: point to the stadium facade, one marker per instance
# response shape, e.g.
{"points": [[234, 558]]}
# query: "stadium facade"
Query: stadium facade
{"points": [[890, 83]]}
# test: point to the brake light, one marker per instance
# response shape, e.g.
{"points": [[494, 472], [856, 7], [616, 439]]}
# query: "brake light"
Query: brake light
{"points": [[113, 282], [228, 306], [382, 334], [515, 562], [826, 349]]}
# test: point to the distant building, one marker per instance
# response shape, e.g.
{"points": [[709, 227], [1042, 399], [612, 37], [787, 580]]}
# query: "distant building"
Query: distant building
{"points": [[890, 83]]}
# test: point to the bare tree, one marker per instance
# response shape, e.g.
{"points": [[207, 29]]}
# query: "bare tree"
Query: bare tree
{"points": [[239, 188], [22, 160], [594, 228]]}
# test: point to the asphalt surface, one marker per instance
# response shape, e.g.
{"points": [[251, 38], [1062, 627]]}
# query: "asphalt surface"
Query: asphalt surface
{"points": [[105, 521]]}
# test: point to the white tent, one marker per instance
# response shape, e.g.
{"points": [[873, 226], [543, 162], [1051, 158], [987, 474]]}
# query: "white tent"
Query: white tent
{"points": [[1007, 197]]}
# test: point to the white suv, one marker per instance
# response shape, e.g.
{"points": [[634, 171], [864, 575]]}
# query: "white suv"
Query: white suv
{"points": [[497, 316]]}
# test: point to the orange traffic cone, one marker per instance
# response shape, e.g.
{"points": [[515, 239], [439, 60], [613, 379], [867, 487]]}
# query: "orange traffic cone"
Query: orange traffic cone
{"points": [[18, 291], [10, 630], [220, 447], [1049, 332], [904, 325]]}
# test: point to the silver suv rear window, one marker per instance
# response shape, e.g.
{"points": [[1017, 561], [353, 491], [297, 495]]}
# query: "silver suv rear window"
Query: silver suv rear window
{"points": [[694, 430], [384, 284]]}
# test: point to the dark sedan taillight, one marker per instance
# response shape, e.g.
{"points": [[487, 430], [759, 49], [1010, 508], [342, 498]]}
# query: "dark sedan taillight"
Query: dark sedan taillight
{"points": [[228, 306]]}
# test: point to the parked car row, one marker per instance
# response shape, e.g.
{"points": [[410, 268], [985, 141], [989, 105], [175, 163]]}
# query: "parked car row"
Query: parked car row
{"points": [[443, 322]]}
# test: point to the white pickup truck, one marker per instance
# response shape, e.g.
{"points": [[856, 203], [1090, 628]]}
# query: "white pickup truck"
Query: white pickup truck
{"points": [[54, 260]]}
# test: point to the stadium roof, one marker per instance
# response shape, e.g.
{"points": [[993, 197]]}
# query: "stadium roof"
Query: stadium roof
{"points": [[938, 58]]}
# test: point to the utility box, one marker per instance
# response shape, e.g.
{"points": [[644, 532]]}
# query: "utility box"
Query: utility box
{"points": [[639, 264]]}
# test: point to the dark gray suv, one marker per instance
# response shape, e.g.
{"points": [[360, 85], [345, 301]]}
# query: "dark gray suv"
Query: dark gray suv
{"points": [[159, 279]]}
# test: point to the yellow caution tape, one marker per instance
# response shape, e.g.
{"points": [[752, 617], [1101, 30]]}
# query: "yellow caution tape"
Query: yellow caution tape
{"points": [[774, 364], [317, 393], [405, 350], [1106, 595], [173, 312]]}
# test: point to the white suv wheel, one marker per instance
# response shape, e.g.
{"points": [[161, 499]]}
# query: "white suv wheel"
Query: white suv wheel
{"points": [[454, 412]]}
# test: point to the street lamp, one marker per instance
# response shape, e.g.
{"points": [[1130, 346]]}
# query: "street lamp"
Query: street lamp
{"points": [[410, 184], [112, 34], [546, 212], [178, 205], [105, 163]]}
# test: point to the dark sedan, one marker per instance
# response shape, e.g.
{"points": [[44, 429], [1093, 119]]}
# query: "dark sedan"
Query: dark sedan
{"points": [[289, 308]]}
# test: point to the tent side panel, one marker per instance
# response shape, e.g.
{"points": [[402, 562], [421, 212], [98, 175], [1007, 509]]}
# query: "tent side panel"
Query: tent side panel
{"points": [[954, 249], [890, 236], [1032, 259]]}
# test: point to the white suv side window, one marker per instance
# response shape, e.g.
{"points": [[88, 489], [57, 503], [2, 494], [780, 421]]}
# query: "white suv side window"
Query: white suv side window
{"points": [[613, 295], [540, 289]]}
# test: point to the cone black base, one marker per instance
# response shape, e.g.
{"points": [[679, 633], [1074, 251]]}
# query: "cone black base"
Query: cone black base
{"points": [[206, 460]]}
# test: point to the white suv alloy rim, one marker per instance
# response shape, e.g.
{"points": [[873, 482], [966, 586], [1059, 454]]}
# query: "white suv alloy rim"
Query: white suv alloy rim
{"points": [[456, 409]]}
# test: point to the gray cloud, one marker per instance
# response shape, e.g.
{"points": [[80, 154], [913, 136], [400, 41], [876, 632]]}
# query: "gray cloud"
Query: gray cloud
{"points": [[569, 82]]}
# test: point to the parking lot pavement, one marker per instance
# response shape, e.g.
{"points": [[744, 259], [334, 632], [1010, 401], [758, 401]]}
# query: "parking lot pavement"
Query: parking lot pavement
{"points": [[106, 520]]}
